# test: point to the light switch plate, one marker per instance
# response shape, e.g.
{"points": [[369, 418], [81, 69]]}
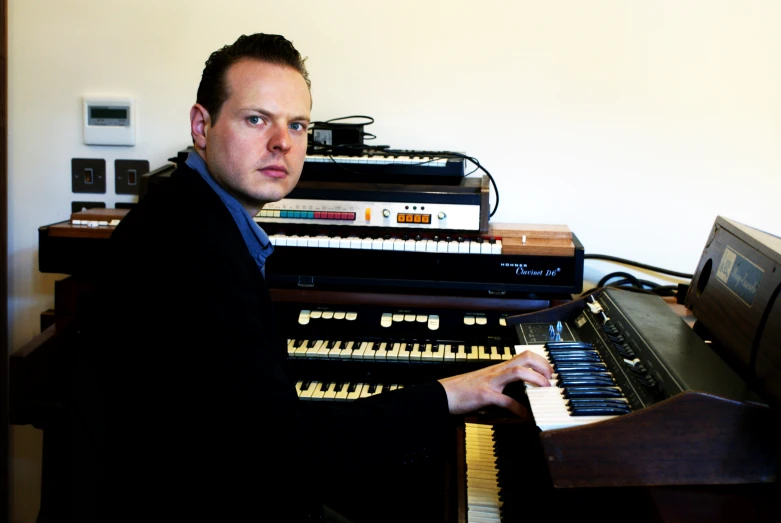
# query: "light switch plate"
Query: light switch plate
{"points": [[127, 175], [88, 175]]}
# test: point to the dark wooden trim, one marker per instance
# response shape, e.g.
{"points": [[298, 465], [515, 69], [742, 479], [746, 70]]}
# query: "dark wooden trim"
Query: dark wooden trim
{"points": [[4, 477]]}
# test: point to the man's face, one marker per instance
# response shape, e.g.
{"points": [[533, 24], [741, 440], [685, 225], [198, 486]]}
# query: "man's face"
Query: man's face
{"points": [[256, 148]]}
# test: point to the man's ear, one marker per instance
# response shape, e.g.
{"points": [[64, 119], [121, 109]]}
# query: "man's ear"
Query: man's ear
{"points": [[200, 121]]}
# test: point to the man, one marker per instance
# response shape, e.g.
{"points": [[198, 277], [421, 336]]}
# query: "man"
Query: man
{"points": [[182, 386]]}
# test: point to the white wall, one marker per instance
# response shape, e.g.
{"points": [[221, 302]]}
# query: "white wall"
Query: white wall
{"points": [[634, 123]]}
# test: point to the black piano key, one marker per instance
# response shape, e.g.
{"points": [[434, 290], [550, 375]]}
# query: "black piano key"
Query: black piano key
{"points": [[597, 401], [598, 411], [568, 345], [586, 392], [593, 367], [572, 382]]}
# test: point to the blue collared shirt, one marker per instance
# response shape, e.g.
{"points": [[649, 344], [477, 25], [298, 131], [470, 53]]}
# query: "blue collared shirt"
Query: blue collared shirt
{"points": [[257, 240]]}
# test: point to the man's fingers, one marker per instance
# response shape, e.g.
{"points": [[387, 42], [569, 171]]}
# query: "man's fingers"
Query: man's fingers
{"points": [[535, 361]]}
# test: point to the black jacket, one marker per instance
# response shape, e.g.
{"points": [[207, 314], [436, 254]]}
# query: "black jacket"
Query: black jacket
{"points": [[182, 404]]}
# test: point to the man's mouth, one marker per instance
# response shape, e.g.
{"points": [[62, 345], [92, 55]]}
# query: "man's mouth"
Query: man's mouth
{"points": [[274, 171]]}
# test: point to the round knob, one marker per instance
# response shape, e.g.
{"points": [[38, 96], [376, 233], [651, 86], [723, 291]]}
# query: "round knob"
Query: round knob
{"points": [[385, 213], [441, 215]]}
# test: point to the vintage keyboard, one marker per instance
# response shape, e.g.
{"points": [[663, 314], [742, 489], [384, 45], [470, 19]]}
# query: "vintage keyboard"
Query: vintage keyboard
{"points": [[502, 260], [639, 398], [387, 166]]}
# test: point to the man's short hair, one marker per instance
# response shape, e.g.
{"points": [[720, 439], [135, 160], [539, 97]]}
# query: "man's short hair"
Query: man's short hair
{"points": [[273, 49]]}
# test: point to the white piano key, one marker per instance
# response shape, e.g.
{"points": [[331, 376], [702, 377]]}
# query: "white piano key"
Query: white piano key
{"points": [[358, 353], [364, 393], [319, 392], [496, 248], [393, 353], [442, 246], [330, 393], [313, 349], [344, 243], [347, 350], [307, 388], [404, 351], [431, 246], [398, 244], [454, 247], [370, 350], [382, 351], [409, 245], [335, 350], [449, 355], [377, 244], [300, 351], [323, 349], [341, 391], [354, 391]]}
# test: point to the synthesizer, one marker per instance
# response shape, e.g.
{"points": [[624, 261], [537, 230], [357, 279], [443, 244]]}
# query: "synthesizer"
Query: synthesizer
{"points": [[386, 166], [638, 398]]}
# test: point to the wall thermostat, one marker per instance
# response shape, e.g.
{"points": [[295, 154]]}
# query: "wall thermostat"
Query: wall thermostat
{"points": [[109, 121]]}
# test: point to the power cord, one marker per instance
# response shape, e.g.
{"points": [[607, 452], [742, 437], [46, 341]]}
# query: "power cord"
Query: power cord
{"points": [[632, 283], [359, 148]]}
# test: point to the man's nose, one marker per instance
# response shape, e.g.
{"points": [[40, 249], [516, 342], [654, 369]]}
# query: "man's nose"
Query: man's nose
{"points": [[280, 139]]}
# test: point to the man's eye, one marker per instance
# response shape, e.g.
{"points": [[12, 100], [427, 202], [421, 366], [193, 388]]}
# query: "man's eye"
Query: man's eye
{"points": [[254, 120], [297, 126]]}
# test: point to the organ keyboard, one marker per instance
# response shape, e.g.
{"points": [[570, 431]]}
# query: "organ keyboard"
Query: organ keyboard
{"points": [[540, 259]]}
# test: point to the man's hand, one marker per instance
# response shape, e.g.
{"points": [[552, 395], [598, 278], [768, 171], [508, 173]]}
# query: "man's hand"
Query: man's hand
{"points": [[477, 389]]}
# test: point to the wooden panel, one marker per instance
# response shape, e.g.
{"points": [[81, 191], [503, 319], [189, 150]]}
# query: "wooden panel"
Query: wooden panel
{"points": [[689, 439]]}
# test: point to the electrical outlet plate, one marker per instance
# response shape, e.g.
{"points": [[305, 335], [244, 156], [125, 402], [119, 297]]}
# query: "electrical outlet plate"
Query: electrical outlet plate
{"points": [[88, 175], [127, 175]]}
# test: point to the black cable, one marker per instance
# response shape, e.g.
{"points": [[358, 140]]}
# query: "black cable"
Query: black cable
{"points": [[627, 278], [473, 160], [636, 264], [329, 150]]}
